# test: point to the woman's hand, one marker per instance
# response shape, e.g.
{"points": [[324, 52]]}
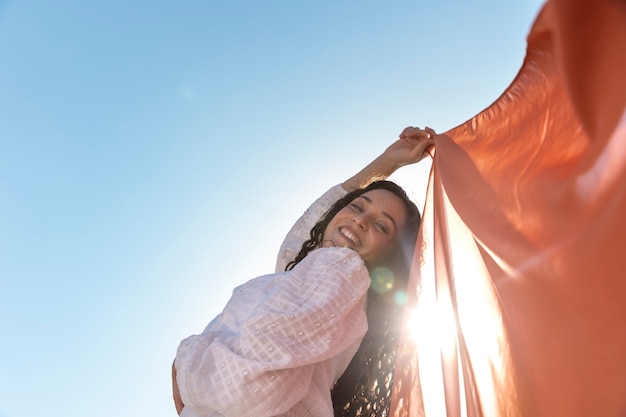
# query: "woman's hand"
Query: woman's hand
{"points": [[411, 147], [178, 402]]}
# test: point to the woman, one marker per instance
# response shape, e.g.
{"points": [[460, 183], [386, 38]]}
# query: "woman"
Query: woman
{"points": [[284, 340]]}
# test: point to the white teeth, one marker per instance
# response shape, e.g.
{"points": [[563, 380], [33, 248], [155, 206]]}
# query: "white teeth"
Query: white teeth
{"points": [[350, 236]]}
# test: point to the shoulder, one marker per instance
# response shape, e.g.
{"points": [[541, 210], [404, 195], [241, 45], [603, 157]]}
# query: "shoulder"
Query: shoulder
{"points": [[334, 264], [333, 256]]}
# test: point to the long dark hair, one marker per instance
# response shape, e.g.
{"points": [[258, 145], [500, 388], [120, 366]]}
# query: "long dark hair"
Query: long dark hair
{"points": [[364, 389]]}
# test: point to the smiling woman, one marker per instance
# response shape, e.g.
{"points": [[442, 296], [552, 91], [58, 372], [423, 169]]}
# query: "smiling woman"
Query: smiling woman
{"points": [[373, 221], [368, 225], [315, 338]]}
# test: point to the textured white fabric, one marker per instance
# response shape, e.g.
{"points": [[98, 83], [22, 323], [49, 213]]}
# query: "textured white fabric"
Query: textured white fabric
{"points": [[283, 339]]}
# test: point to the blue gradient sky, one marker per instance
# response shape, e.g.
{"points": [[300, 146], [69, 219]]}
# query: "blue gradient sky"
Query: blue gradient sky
{"points": [[154, 154]]}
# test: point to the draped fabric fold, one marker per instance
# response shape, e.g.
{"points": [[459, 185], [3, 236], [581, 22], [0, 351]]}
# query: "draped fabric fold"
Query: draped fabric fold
{"points": [[518, 288]]}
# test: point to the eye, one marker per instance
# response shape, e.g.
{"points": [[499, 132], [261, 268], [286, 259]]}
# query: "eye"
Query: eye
{"points": [[381, 227], [356, 207]]}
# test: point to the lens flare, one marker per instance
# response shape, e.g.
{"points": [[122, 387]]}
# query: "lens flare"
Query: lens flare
{"points": [[382, 280], [400, 297]]}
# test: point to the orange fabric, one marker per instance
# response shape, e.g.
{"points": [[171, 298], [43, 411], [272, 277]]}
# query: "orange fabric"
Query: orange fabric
{"points": [[519, 279]]}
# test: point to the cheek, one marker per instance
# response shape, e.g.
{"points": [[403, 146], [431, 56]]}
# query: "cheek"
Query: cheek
{"points": [[331, 223], [329, 228], [381, 248], [325, 234]]}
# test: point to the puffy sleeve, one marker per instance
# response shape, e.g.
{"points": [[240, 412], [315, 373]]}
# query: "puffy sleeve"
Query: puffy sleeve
{"points": [[260, 356], [300, 231]]}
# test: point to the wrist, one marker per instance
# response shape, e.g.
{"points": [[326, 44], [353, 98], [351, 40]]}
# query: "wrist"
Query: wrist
{"points": [[386, 165]]}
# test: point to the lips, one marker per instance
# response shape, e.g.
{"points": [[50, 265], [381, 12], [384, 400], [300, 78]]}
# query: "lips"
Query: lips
{"points": [[350, 236]]}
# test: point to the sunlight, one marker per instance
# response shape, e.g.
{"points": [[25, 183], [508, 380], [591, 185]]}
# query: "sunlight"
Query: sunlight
{"points": [[466, 294], [480, 322], [429, 356]]}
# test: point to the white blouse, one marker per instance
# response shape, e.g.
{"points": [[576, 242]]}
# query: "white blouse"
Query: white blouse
{"points": [[282, 339]]}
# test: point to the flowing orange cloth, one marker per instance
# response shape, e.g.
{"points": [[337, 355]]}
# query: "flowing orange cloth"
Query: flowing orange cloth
{"points": [[519, 279]]}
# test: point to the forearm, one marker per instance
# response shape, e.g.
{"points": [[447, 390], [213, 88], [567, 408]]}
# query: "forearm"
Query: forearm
{"points": [[379, 169], [178, 402], [411, 147]]}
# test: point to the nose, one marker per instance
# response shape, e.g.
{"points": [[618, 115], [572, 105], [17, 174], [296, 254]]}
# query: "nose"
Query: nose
{"points": [[360, 221]]}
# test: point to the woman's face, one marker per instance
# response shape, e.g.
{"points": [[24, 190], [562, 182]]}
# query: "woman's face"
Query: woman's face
{"points": [[370, 225]]}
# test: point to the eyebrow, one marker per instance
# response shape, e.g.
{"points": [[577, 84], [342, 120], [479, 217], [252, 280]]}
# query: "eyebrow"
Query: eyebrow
{"points": [[369, 200]]}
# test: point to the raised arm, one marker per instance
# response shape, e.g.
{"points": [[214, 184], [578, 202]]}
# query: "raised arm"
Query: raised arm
{"points": [[411, 147]]}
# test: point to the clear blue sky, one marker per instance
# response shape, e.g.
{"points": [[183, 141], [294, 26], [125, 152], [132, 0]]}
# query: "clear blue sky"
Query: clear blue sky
{"points": [[153, 154]]}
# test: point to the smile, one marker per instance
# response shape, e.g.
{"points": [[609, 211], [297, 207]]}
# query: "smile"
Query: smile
{"points": [[350, 236]]}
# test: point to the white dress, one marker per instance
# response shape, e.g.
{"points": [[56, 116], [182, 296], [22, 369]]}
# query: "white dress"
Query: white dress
{"points": [[282, 339]]}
